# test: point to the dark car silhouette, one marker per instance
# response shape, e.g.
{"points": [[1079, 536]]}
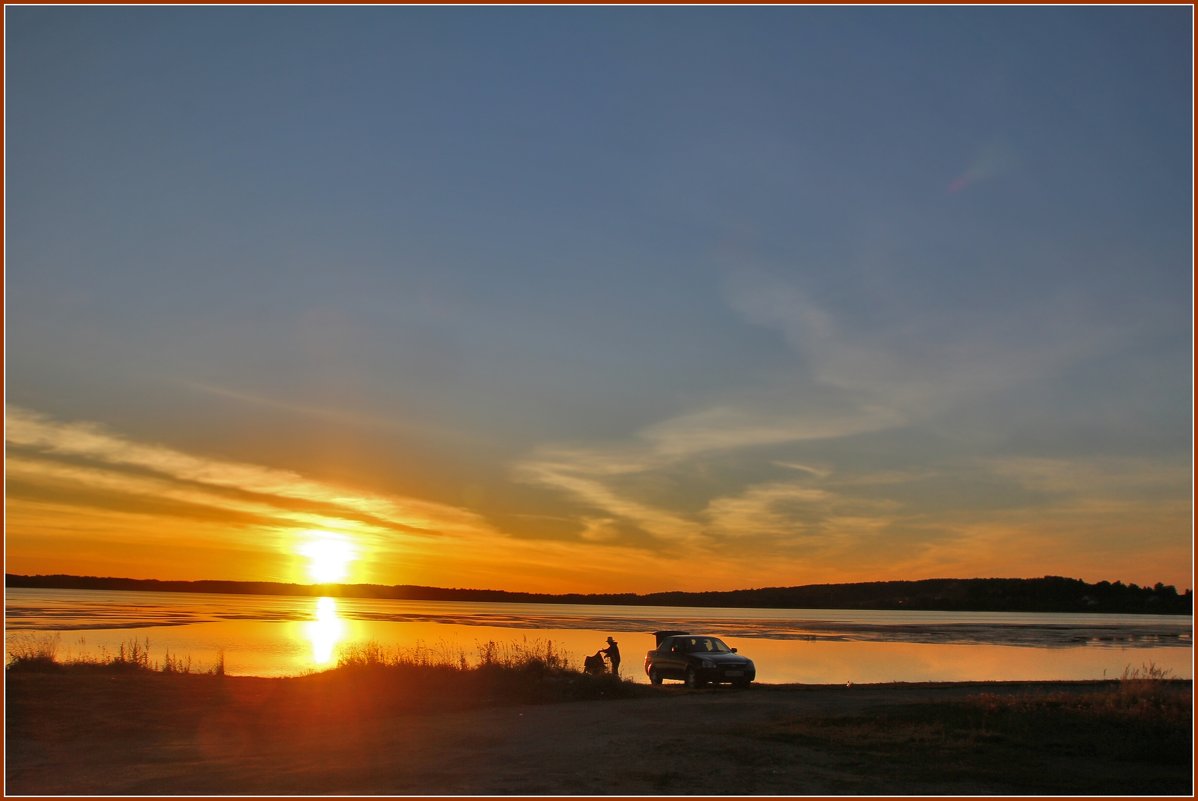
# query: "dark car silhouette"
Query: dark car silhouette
{"points": [[697, 659]]}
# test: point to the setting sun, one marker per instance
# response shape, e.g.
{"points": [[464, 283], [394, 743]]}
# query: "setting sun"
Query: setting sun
{"points": [[329, 556]]}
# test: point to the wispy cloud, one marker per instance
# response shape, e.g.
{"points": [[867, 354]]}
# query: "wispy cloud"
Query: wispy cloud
{"points": [[1105, 500], [775, 510], [994, 159], [91, 485], [110, 499], [799, 513], [810, 512], [894, 372], [1108, 477], [818, 472], [903, 365], [198, 479], [572, 476], [724, 428]]}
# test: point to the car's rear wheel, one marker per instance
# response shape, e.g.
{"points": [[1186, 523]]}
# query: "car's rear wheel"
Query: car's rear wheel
{"points": [[654, 676], [692, 679], [742, 683]]}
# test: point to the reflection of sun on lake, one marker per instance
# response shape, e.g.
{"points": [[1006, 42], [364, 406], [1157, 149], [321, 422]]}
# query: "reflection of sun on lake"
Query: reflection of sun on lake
{"points": [[325, 632]]}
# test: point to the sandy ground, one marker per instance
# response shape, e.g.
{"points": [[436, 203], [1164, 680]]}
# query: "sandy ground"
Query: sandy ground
{"points": [[170, 735]]}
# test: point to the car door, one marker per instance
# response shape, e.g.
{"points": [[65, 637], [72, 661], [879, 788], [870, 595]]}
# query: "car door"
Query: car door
{"points": [[672, 658]]}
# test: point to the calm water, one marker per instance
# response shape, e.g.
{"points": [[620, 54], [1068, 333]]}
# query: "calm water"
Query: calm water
{"points": [[275, 635]]}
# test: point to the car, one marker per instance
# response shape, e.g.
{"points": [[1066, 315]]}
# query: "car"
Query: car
{"points": [[697, 659]]}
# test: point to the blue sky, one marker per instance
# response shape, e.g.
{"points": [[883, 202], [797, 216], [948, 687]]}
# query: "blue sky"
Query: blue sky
{"points": [[795, 294]]}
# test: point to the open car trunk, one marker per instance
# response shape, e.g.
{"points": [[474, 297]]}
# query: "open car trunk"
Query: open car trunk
{"points": [[661, 635]]}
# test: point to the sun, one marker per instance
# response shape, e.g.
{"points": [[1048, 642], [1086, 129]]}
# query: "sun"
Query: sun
{"points": [[329, 556]]}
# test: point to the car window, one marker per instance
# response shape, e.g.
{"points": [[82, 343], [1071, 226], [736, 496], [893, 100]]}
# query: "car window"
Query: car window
{"points": [[710, 645]]}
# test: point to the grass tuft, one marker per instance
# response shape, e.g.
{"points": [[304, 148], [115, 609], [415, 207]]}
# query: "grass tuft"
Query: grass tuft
{"points": [[32, 652], [132, 655], [522, 671], [39, 653], [176, 664]]}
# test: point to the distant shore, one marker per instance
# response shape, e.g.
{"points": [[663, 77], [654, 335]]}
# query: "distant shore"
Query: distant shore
{"points": [[1047, 594], [368, 733]]}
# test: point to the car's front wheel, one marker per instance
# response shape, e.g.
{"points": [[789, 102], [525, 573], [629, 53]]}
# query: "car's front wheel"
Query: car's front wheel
{"points": [[654, 676], [692, 679]]}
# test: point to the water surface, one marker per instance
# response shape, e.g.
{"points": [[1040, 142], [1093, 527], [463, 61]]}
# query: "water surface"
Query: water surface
{"points": [[276, 635]]}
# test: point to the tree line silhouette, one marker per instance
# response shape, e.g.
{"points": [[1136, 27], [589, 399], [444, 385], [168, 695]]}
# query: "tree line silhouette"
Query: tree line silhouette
{"points": [[1047, 594]]}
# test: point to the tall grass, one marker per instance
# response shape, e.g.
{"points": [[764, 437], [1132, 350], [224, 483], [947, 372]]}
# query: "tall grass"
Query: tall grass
{"points": [[371, 654], [1146, 695], [32, 651], [132, 655], [523, 655], [1146, 714], [521, 670], [39, 652]]}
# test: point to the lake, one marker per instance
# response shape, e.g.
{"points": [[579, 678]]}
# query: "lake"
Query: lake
{"points": [[264, 635]]}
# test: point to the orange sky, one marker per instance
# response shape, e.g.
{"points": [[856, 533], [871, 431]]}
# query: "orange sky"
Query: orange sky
{"points": [[85, 500]]}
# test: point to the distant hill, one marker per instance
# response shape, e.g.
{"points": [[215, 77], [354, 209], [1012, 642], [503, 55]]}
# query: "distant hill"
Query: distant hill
{"points": [[1048, 594]]}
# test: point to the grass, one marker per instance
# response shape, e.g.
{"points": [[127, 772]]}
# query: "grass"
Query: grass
{"points": [[40, 653], [537, 656], [32, 652], [1136, 727], [523, 671]]}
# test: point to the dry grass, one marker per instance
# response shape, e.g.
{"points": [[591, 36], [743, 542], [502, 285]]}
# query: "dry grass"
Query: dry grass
{"points": [[39, 653], [524, 671], [27, 651], [521, 671], [537, 655], [1139, 729]]}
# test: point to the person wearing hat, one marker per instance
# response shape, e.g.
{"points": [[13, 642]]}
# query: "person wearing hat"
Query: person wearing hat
{"points": [[612, 652]]}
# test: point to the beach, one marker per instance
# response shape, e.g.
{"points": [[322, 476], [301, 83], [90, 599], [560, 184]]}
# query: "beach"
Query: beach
{"points": [[346, 733]]}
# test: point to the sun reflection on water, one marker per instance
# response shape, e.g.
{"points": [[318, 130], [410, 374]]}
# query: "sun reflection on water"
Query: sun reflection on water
{"points": [[325, 631]]}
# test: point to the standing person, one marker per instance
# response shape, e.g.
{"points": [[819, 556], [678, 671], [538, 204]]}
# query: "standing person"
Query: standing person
{"points": [[612, 652]]}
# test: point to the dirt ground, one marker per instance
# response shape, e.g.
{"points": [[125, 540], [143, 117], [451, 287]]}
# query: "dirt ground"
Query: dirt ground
{"points": [[173, 735]]}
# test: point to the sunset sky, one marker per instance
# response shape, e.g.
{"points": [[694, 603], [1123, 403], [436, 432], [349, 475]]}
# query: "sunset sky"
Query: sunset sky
{"points": [[599, 299]]}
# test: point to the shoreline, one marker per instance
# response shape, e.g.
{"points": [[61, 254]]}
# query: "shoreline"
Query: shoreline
{"points": [[363, 733], [1049, 594]]}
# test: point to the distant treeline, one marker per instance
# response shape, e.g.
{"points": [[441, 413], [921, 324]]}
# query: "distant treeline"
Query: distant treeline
{"points": [[1048, 594]]}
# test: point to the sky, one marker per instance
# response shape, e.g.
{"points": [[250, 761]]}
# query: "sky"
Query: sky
{"points": [[599, 299]]}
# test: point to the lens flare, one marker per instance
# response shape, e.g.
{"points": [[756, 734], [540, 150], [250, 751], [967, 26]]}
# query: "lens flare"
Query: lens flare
{"points": [[993, 160]]}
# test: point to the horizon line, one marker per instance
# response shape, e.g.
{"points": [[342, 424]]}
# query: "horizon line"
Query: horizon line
{"points": [[345, 585]]}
